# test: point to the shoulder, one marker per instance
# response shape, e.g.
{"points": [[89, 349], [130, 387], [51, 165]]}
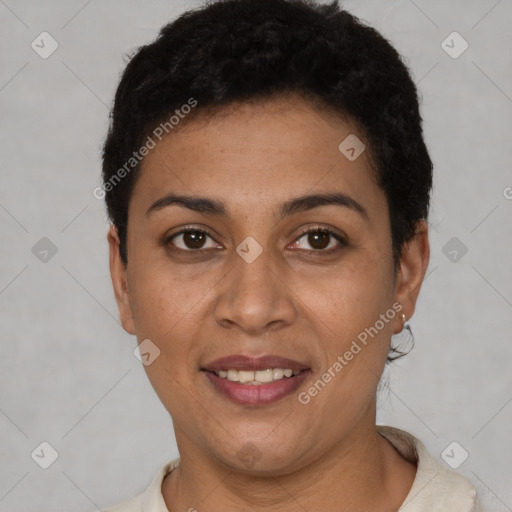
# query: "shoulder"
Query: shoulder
{"points": [[151, 500], [435, 487]]}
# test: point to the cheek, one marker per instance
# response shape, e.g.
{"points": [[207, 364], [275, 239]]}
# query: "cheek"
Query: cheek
{"points": [[354, 318], [165, 310], [352, 297], [354, 344], [162, 298], [161, 312]]}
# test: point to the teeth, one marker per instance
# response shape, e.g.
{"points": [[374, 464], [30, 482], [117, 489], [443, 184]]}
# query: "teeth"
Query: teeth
{"points": [[244, 376], [264, 375], [277, 373], [233, 375], [256, 377]]}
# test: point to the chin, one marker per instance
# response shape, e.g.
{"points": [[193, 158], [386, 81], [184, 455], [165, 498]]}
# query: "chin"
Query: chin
{"points": [[259, 457]]}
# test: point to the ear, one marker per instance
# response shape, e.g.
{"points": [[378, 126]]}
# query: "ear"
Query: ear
{"points": [[412, 267], [118, 273]]}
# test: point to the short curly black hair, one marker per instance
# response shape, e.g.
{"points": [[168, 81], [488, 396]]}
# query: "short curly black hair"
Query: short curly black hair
{"points": [[245, 50]]}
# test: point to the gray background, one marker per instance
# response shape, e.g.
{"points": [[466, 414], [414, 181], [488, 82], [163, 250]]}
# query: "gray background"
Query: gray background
{"points": [[68, 375]]}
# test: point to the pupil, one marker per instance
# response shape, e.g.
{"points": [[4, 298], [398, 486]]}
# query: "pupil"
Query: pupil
{"points": [[195, 238], [319, 237]]}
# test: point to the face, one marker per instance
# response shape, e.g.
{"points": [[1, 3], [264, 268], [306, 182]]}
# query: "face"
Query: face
{"points": [[239, 275]]}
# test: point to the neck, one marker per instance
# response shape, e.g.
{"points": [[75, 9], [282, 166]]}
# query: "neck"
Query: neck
{"points": [[361, 473]]}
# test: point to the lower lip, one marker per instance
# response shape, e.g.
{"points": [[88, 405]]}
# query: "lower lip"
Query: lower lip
{"points": [[254, 394]]}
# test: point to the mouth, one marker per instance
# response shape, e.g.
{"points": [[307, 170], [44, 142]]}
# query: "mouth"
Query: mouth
{"points": [[255, 380]]}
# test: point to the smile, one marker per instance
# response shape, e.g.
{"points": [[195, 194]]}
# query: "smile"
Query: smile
{"points": [[255, 380]]}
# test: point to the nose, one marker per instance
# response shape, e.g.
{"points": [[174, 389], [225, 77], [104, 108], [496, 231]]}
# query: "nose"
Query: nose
{"points": [[255, 296]]}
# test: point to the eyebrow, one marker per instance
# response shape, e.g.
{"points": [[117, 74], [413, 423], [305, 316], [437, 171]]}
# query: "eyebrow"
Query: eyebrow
{"points": [[295, 205]]}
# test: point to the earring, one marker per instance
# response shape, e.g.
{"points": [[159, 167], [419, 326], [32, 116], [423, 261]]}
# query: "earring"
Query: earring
{"points": [[406, 324], [407, 327]]}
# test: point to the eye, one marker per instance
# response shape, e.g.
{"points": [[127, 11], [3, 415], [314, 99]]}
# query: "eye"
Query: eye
{"points": [[321, 240], [191, 240], [195, 240]]}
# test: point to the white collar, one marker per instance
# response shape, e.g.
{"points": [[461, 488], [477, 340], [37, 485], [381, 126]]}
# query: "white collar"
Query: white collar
{"points": [[435, 487]]}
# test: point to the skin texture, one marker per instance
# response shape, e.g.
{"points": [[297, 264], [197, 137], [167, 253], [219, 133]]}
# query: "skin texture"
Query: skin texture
{"points": [[293, 301]]}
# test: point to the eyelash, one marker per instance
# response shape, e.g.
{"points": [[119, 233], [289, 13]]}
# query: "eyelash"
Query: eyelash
{"points": [[314, 229]]}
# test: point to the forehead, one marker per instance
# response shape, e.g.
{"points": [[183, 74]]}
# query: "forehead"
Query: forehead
{"points": [[249, 153]]}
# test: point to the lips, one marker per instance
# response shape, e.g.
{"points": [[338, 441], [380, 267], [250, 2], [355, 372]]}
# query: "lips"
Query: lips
{"points": [[241, 362], [250, 394]]}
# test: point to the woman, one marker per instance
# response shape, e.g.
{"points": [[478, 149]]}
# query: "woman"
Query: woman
{"points": [[268, 185]]}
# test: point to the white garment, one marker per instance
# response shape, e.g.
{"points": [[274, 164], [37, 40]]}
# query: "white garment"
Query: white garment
{"points": [[435, 487]]}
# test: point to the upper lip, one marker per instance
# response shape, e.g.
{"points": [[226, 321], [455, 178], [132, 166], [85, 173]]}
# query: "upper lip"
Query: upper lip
{"points": [[254, 363]]}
